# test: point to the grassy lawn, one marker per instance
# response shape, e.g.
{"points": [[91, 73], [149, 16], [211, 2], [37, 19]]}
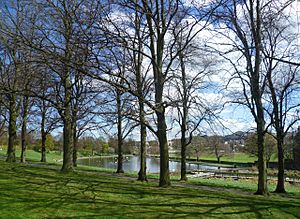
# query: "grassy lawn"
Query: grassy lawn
{"points": [[245, 185], [42, 191], [237, 157], [52, 157]]}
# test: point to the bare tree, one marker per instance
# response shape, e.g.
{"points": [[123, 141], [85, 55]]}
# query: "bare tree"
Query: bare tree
{"points": [[65, 23], [244, 19], [11, 68], [188, 81], [45, 114], [283, 84]]}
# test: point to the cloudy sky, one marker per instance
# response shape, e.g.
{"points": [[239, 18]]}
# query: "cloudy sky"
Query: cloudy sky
{"points": [[235, 117]]}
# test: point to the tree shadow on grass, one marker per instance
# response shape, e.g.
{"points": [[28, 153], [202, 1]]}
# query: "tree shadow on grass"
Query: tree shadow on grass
{"points": [[42, 193]]}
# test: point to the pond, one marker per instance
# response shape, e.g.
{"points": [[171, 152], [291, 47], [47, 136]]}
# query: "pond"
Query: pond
{"points": [[132, 163]]}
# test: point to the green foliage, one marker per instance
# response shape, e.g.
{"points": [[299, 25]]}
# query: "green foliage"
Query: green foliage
{"points": [[89, 145], [50, 144], [197, 147], [270, 145], [105, 148], [128, 146], [36, 147], [43, 192]]}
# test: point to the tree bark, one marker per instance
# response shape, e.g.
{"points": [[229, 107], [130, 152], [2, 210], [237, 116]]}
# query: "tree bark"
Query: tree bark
{"points": [[183, 156], [67, 144], [262, 187], [120, 137], [257, 92], [12, 130], [138, 59], [142, 176], [157, 26], [280, 188], [43, 132], [24, 129], [184, 113], [278, 120], [43, 148], [75, 145], [164, 176], [67, 85], [67, 130]]}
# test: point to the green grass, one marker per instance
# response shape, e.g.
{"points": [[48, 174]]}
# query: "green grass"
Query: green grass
{"points": [[237, 157], [28, 191], [244, 185], [52, 157]]}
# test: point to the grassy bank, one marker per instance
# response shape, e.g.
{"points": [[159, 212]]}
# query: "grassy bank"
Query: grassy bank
{"points": [[42, 191], [237, 157], [52, 157]]}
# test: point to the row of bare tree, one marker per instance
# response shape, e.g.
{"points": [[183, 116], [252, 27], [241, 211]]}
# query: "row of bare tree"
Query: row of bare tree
{"points": [[88, 62]]}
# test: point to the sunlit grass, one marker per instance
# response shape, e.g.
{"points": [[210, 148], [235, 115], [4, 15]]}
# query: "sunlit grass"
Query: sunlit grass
{"points": [[28, 191], [31, 155], [234, 157], [242, 184]]}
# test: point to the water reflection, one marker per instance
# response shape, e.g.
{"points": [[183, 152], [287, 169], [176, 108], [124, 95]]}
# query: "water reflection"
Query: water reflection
{"points": [[132, 163]]}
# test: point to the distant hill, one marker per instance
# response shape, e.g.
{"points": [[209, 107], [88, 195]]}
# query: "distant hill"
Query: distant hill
{"points": [[236, 136]]}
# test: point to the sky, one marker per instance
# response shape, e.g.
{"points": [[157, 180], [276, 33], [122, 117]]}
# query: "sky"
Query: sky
{"points": [[231, 118], [234, 117]]}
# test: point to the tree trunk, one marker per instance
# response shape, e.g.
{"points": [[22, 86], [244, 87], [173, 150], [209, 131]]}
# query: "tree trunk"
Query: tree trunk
{"points": [[138, 59], [67, 147], [260, 123], [164, 176], [66, 112], [157, 28], [183, 125], [24, 129], [278, 120], [120, 137], [12, 130], [183, 156], [75, 145], [142, 176], [43, 133], [67, 130], [262, 166], [43, 149], [280, 176]]}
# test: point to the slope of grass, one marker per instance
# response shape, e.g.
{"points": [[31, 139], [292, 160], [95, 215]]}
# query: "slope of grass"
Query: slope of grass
{"points": [[28, 191], [52, 157]]}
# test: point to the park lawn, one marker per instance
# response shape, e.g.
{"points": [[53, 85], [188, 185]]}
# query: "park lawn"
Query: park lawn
{"points": [[236, 157], [31, 155], [245, 185], [34, 191]]}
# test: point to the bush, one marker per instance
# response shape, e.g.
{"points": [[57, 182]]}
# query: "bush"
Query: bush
{"points": [[36, 148]]}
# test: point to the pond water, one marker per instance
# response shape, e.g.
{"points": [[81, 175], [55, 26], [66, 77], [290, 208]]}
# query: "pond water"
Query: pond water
{"points": [[132, 163]]}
